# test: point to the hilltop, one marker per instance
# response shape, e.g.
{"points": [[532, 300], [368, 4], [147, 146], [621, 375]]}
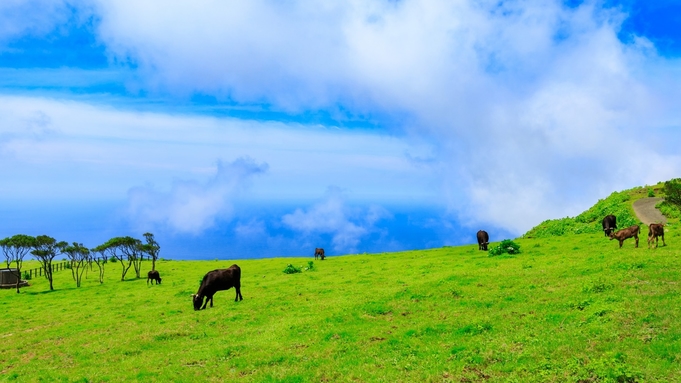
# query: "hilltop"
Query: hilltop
{"points": [[569, 308], [619, 204]]}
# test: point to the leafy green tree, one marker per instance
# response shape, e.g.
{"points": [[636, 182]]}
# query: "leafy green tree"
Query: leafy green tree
{"points": [[151, 248], [15, 249], [45, 249], [126, 249], [78, 256], [672, 191]]}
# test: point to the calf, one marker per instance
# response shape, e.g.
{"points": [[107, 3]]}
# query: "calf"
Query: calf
{"points": [[153, 275], [318, 252], [621, 235], [609, 224], [215, 281], [655, 230], [483, 240]]}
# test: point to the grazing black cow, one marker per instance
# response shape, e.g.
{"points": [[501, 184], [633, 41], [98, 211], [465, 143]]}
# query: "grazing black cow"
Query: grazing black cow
{"points": [[609, 224], [621, 235], [655, 230], [318, 252], [153, 275], [483, 240], [217, 280]]}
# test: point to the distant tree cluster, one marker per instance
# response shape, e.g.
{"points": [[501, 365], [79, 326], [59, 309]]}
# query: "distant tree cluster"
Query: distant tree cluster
{"points": [[127, 251]]}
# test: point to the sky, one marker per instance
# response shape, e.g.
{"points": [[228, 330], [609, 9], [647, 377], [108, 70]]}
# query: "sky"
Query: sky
{"points": [[267, 128]]}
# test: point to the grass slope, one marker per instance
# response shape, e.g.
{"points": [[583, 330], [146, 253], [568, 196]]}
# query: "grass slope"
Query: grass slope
{"points": [[573, 308], [590, 221]]}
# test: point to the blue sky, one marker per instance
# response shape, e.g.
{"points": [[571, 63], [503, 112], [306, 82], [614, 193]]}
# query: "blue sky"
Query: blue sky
{"points": [[263, 129]]}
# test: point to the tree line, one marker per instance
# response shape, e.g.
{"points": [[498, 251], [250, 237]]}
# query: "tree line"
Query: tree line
{"points": [[128, 251]]}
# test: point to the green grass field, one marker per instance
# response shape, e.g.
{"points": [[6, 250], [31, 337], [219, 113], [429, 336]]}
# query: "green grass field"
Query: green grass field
{"points": [[570, 308]]}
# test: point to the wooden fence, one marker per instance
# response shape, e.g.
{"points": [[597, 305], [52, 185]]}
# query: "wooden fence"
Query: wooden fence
{"points": [[38, 271]]}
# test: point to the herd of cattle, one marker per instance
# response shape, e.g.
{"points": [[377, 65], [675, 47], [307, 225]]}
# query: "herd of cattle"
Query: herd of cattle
{"points": [[655, 231], [225, 279]]}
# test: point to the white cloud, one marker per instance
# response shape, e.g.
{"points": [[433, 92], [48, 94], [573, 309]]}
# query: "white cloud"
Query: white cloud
{"points": [[65, 149], [30, 17], [536, 108], [333, 216], [192, 206]]}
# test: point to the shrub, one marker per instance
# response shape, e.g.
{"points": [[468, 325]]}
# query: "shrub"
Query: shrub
{"points": [[651, 193], [668, 210], [113, 259], [310, 266], [27, 276], [505, 247], [290, 269]]}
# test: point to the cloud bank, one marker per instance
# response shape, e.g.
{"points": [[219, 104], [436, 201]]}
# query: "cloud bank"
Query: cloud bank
{"points": [[191, 206], [534, 106], [333, 216]]}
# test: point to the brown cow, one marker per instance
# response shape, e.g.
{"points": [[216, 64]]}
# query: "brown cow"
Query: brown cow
{"points": [[483, 240], [621, 235], [318, 252], [655, 230], [153, 275], [218, 280]]}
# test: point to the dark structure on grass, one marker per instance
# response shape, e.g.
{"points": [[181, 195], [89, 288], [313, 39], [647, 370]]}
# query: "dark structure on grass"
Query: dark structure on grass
{"points": [[483, 240], [609, 224], [9, 279], [217, 280]]}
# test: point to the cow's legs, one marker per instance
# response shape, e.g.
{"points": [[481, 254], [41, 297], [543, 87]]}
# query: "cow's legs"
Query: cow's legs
{"points": [[636, 240], [663, 244], [204, 303], [238, 293]]}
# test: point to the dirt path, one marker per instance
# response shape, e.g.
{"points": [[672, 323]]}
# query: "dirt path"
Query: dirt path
{"points": [[645, 210]]}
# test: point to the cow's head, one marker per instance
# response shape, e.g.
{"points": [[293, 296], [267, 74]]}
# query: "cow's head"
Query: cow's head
{"points": [[159, 280], [198, 301]]}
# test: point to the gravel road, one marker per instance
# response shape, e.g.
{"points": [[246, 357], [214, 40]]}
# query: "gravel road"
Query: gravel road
{"points": [[645, 210]]}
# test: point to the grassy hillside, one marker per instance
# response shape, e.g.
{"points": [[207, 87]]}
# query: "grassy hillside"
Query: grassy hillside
{"points": [[617, 203], [569, 308]]}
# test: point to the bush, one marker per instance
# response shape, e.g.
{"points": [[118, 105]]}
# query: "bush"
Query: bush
{"points": [[290, 269], [651, 193], [505, 247], [27, 276], [668, 210], [310, 266], [113, 259]]}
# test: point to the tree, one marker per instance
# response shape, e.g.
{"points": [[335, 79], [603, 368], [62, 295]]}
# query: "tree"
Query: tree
{"points": [[672, 192], [100, 261], [151, 248], [15, 249], [126, 248], [78, 255], [45, 249]]}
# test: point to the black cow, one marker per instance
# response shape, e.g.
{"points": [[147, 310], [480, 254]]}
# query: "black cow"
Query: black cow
{"points": [[609, 224], [655, 230], [153, 275], [483, 240], [217, 280], [318, 252], [621, 235]]}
